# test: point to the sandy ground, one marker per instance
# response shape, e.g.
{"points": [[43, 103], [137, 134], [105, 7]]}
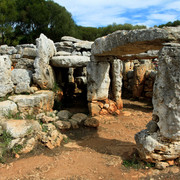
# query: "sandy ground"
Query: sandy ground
{"points": [[91, 154]]}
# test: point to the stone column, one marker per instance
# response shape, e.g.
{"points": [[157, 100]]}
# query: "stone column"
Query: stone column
{"points": [[117, 70], [161, 140], [98, 83], [139, 78]]}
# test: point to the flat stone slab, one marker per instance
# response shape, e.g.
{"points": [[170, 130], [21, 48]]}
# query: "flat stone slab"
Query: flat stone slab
{"points": [[69, 61], [36, 103], [134, 41]]}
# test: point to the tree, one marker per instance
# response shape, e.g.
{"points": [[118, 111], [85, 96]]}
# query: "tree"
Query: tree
{"points": [[8, 15]]}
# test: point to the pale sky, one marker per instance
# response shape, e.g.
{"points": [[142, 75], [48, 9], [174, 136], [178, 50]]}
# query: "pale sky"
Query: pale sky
{"points": [[98, 13]]}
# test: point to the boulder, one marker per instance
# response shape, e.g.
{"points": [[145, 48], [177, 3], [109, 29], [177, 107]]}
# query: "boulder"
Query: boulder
{"points": [[21, 128], [22, 79], [70, 61], [166, 92], [36, 103], [7, 107], [6, 85], [44, 75], [98, 80]]}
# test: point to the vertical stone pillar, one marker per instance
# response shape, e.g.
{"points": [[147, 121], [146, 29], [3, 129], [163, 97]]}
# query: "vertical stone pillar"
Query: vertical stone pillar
{"points": [[98, 83], [98, 80], [161, 140], [117, 70], [139, 78]]}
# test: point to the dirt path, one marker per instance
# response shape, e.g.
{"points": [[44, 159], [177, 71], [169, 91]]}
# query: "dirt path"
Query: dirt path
{"points": [[91, 154]]}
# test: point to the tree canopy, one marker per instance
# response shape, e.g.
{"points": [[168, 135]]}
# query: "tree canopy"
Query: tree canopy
{"points": [[22, 21]]}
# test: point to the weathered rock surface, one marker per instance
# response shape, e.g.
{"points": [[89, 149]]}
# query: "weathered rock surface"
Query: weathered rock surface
{"points": [[7, 107], [22, 79], [50, 137], [167, 92], [6, 85], [44, 75], [117, 69], [21, 128], [161, 140], [70, 61], [24, 63], [98, 80], [36, 103], [134, 41], [4, 49]]}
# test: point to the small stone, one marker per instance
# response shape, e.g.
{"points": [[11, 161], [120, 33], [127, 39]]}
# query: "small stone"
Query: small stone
{"points": [[17, 156], [103, 112], [91, 122], [64, 115], [63, 125], [161, 165], [79, 117]]}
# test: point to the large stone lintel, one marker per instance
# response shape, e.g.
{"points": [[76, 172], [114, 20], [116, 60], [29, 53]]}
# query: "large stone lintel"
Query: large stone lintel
{"points": [[70, 61], [134, 41]]}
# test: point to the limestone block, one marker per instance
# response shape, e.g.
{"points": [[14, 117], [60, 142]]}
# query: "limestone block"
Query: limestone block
{"points": [[4, 49], [44, 75], [70, 61], [22, 79], [21, 128], [117, 70], [24, 63], [71, 39], [36, 103], [166, 97], [124, 42], [83, 45], [62, 53], [6, 85], [98, 80], [29, 53], [7, 107], [45, 48]]}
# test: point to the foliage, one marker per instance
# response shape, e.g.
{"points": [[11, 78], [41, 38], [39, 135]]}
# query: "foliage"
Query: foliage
{"points": [[17, 148], [136, 163], [175, 23], [11, 115]]}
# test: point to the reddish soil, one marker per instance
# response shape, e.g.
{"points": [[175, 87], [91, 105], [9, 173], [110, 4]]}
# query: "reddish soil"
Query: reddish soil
{"points": [[91, 154]]}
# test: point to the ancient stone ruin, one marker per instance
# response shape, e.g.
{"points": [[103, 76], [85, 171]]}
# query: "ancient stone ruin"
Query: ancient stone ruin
{"points": [[160, 141], [33, 77]]}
